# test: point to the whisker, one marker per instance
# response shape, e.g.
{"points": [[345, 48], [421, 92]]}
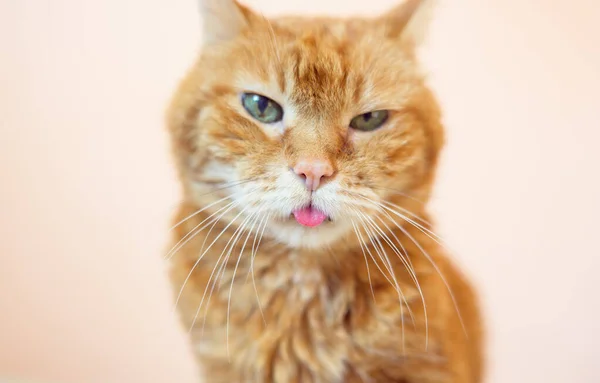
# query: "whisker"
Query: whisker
{"points": [[254, 253], [370, 253], [235, 236], [409, 267], [434, 236], [398, 192], [431, 234], [208, 283], [232, 184], [437, 269], [383, 255], [215, 221], [229, 245], [256, 218], [198, 212], [205, 251], [426, 255], [415, 216], [395, 285], [361, 242], [197, 229]]}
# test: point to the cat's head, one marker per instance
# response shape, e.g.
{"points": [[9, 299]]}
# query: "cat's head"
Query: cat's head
{"points": [[309, 125]]}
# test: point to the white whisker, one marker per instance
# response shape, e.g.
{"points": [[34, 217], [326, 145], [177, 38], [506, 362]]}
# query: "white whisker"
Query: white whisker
{"points": [[254, 253], [197, 229], [229, 245], [255, 219], [427, 256], [202, 255], [437, 269], [231, 184], [361, 242], [409, 267], [383, 256], [435, 237], [370, 253]]}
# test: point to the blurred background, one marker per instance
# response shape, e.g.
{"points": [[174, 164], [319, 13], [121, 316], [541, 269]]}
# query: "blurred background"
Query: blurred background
{"points": [[87, 187]]}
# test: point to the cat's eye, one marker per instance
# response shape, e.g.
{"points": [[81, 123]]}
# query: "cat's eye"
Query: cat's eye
{"points": [[370, 121], [262, 108]]}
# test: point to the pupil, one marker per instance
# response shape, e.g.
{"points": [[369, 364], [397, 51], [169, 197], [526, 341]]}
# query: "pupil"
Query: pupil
{"points": [[367, 116], [262, 104]]}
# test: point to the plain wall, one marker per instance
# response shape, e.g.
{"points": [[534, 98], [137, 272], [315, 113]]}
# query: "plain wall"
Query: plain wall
{"points": [[87, 186]]}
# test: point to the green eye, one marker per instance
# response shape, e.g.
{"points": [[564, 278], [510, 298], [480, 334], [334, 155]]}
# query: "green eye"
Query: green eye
{"points": [[262, 108], [369, 121]]}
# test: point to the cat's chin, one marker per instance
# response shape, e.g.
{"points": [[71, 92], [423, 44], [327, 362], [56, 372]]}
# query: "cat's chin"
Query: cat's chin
{"points": [[294, 234]]}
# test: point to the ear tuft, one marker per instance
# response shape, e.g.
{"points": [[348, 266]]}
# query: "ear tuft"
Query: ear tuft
{"points": [[222, 20], [409, 21]]}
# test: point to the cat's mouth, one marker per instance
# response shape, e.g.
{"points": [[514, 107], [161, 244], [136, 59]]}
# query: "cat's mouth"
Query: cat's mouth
{"points": [[310, 216]]}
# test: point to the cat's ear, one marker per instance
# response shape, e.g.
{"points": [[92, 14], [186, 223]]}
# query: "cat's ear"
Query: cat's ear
{"points": [[223, 20], [409, 21]]}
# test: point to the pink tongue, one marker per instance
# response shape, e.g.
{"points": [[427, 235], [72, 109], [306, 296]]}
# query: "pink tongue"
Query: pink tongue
{"points": [[308, 216]]}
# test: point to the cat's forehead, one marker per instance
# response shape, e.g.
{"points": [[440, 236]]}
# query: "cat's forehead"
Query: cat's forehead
{"points": [[322, 28], [320, 71], [320, 64]]}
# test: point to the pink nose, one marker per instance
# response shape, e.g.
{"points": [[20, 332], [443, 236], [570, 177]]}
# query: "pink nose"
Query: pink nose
{"points": [[313, 170]]}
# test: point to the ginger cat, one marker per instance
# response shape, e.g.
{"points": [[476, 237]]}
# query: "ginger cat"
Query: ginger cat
{"points": [[307, 150]]}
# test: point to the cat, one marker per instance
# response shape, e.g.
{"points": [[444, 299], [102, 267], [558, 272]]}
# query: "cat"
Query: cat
{"points": [[302, 250]]}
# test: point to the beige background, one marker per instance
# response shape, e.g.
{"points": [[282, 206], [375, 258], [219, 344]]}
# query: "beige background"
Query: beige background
{"points": [[87, 186]]}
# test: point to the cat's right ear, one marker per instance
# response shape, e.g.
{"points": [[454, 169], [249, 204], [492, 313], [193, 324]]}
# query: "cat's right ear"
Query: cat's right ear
{"points": [[223, 20], [409, 20]]}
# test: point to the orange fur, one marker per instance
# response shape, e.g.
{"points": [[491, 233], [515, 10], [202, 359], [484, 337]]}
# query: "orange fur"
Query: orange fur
{"points": [[368, 297]]}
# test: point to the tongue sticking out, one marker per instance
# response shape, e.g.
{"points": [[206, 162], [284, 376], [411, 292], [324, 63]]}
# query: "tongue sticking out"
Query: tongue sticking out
{"points": [[309, 216]]}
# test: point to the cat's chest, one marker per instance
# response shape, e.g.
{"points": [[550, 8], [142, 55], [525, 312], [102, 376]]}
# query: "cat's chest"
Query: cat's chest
{"points": [[280, 322], [285, 292]]}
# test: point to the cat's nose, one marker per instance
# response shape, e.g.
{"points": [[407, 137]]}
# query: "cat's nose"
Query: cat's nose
{"points": [[313, 170]]}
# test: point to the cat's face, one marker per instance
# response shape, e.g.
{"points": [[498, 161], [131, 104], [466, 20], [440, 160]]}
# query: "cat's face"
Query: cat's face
{"points": [[307, 125]]}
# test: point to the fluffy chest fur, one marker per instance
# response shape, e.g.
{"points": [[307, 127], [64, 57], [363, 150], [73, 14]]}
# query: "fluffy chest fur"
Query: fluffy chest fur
{"points": [[298, 316]]}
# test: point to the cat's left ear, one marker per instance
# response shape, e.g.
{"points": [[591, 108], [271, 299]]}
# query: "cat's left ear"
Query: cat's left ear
{"points": [[408, 21], [224, 19]]}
